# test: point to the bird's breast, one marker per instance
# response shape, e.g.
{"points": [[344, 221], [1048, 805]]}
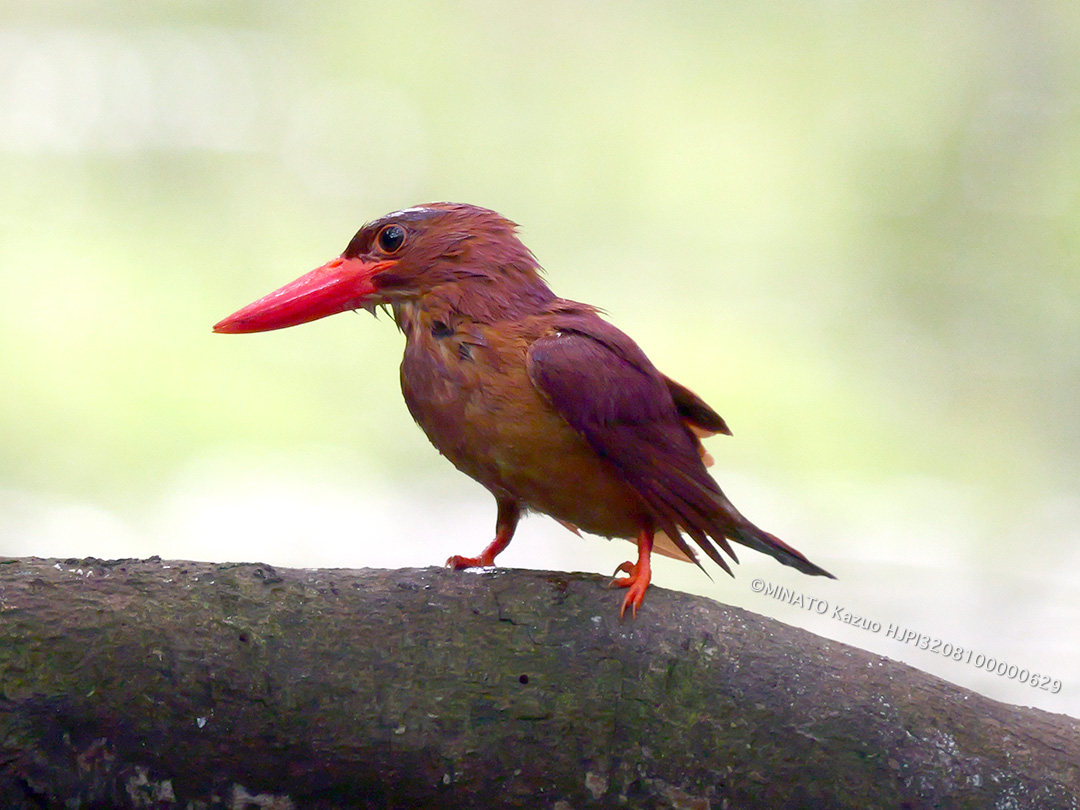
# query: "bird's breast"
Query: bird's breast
{"points": [[468, 388]]}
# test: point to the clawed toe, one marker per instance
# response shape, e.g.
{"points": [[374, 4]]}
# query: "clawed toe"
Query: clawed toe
{"points": [[627, 568], [459, 563], [636, 582]]}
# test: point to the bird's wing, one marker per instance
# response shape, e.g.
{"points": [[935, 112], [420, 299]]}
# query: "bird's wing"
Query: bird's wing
{"points": [[605, 387], [694, 412]]}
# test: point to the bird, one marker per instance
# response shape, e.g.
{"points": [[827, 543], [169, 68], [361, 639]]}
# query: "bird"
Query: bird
{"points": [[539, 398]]}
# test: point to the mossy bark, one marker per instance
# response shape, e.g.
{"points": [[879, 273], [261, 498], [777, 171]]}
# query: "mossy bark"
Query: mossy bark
{"points": [[134, 684]]}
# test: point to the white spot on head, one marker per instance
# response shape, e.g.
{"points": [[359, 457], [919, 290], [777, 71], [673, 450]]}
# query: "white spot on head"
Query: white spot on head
{"points": [[416, 209]]}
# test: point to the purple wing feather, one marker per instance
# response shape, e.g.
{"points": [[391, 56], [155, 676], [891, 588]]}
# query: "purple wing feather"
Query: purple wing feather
{"points": [[605, 387]]}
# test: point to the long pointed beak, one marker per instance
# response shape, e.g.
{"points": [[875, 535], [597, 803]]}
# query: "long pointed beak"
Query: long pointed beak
{"points": [[337, 286]]}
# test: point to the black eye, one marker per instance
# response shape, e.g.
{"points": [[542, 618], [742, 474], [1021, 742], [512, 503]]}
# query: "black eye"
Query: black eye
{"points": [[391, 238]]}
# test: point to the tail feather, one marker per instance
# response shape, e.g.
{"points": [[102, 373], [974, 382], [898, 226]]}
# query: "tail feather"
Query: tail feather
{"points": [[750, 535], [685, 503]]}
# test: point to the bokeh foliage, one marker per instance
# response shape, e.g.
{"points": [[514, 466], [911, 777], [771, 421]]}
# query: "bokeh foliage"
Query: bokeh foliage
{"points": [[851, 226]]}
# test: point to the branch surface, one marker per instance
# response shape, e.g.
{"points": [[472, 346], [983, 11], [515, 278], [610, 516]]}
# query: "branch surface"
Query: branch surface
{"points": [[174, 684]]}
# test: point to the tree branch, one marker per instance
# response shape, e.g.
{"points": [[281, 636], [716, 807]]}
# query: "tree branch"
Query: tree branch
{"points": [[192, 685]]}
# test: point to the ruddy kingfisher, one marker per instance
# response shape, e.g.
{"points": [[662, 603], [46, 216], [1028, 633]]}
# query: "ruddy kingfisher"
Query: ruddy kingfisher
{"points": [[537, 397]]}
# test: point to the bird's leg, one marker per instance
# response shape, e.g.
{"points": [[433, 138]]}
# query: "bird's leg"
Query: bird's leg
{"points": [[505, 524], [637, 575]]}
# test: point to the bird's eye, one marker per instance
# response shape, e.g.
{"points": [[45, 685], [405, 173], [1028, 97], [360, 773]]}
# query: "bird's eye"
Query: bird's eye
{"points": [[391, 238]]}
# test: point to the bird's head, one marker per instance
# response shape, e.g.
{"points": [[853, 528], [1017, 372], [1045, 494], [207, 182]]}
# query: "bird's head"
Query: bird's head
{"points": [[404, 256]]}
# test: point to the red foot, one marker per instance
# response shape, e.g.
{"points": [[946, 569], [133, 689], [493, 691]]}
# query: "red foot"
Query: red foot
{"points": [[637, 576], [509, 512], [459, 563], [636, 582]]}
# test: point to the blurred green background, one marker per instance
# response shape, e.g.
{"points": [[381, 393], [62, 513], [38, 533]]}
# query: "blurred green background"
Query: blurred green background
{"points": [[852, 227]]}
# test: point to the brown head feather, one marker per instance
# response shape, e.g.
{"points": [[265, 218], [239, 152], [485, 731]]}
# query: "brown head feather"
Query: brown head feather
{"points": [[468, 256]]}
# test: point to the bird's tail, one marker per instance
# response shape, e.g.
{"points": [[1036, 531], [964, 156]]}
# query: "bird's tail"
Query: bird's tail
{"points": [[690, 502], [751, 536]]}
